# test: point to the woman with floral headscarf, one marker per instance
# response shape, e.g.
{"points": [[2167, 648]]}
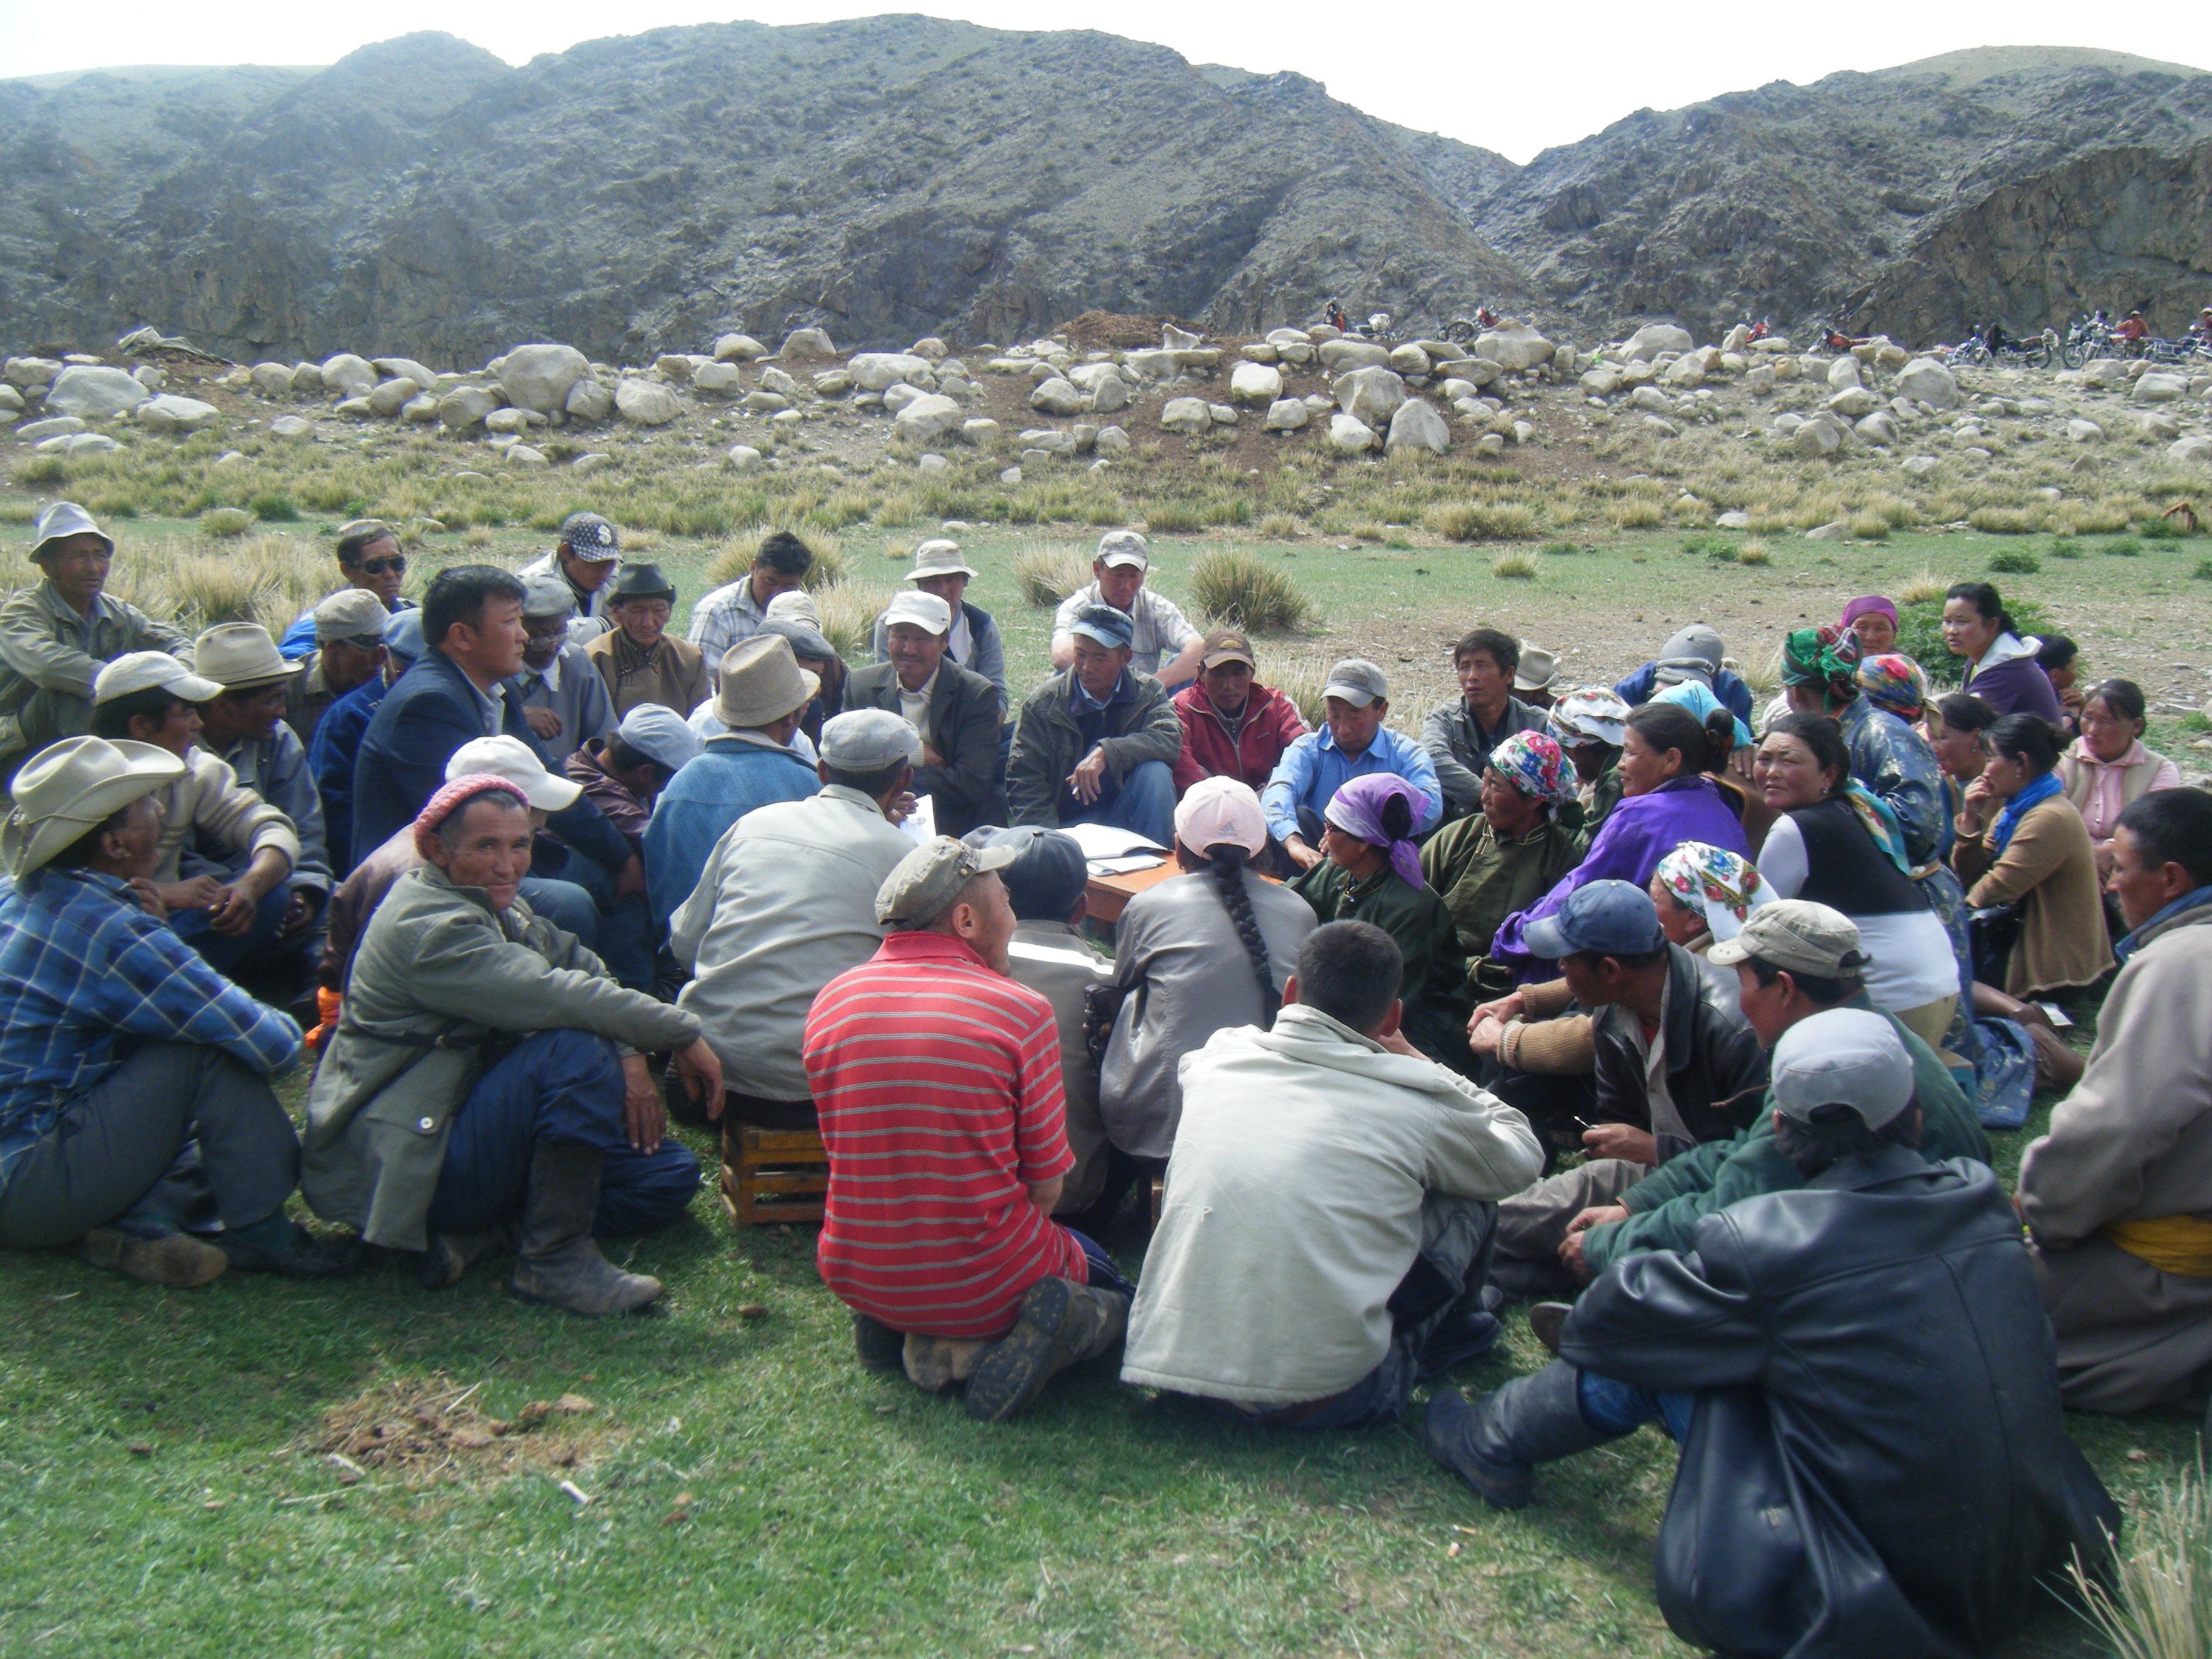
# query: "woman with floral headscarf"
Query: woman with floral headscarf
{"points": [[1590, 725], [1507, 856], [1704, 893], [1370, 872]]}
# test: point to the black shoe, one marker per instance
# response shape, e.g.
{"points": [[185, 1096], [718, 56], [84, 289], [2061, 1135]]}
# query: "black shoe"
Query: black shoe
{"points": [[290, 1252], [1458, 1338], [1546, 1320], [876, 1345], [1449, 1431]]}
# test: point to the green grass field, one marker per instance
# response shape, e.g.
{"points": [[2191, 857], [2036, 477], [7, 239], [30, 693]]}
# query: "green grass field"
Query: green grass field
{"points": [[163, 1474]]}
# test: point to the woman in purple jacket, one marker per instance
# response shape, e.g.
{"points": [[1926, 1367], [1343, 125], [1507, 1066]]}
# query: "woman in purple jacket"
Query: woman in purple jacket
{"points": [[2001, 667], [1666, 800]]}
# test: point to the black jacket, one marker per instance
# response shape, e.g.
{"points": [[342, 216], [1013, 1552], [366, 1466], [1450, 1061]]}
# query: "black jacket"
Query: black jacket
{"points": [[1877, 1464], [964, 728], [1716, 1070]]}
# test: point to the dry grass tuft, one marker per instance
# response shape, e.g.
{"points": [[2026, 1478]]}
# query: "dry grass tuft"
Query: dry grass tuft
{"points": [[1048, 574], [267, 578], [848, 612], [1484, 521], [1926, 588], [1279, 526], [2161, 1606], [1301, 682], [2006, 521], [1869, 526], [1754, 552], [1514, 567], [1248, 591]]}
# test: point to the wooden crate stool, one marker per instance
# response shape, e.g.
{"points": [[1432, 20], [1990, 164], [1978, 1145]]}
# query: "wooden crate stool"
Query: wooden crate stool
{"points": [[772, 1176]]}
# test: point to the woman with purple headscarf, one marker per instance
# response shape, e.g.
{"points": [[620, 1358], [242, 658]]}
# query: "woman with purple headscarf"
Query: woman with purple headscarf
{"points": [[1874, 619], [1370, 872]]}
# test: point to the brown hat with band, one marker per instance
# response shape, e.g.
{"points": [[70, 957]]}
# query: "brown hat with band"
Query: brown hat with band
{"points": [[1225, 645]]}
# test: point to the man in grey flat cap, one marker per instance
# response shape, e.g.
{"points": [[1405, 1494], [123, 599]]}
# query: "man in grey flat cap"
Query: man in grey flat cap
{"points": [[785, 903], [55, 635], [349, 654], [583, 561], [564, 696]]}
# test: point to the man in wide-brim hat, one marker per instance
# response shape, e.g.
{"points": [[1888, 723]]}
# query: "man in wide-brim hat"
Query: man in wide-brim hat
{"points": [[136, 1114]]}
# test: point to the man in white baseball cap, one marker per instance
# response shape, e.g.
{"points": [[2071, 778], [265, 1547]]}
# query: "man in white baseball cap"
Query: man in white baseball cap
{"points": [[55, 634], [624, 772], [974, 642], [956, 711], [122, 1049], [1162, 642]]}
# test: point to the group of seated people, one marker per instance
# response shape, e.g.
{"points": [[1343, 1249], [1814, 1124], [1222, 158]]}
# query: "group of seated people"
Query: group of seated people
{"points": [[1761, 977]]}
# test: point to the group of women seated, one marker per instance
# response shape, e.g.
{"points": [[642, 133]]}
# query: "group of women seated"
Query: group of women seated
{"points": [[1968, 837]]}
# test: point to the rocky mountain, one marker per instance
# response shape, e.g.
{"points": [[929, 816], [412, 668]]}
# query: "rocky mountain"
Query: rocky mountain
{"points": [[902, 176]]}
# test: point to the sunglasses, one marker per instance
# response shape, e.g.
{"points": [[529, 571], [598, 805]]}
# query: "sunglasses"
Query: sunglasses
{"points": [[397, 564]]}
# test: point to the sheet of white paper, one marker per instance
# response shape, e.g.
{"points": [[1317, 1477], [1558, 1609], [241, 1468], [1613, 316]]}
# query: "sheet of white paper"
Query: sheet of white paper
{"points": [[1123, 866], [922, 822], [1103, 840]]}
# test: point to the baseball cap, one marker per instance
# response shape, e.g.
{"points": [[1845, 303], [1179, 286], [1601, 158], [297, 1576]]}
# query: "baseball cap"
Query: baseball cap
{"points": [[923, 610], [1603, 918], [544, 594], [660, 734], [1123, 548], [939, 558], [1105, 625], [1218, 810], [143, 671], [1798, 937], [513, 759], [1842, 1057], [1692, 653], [868, 741], [351, 613], [591, 536], [1225, 645], [927, 879], [403, 634], [1047, 875], [1358, 681]]}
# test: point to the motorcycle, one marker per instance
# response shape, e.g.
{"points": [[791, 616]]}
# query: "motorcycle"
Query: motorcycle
{"points": [[1376, 328], [2088, 338], [1759, 331], [1463, 329]]}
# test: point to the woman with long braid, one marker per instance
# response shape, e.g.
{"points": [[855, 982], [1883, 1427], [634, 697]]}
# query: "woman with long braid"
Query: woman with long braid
{"points": [[1206, 949]]}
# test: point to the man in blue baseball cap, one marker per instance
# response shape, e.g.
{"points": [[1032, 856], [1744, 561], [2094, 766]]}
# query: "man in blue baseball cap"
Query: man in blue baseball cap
{"points": [[1678, 1063], [1098, 741]]}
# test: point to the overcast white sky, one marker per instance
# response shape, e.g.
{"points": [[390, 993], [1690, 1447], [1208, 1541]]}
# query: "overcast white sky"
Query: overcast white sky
{"points": [[1510, 78]]}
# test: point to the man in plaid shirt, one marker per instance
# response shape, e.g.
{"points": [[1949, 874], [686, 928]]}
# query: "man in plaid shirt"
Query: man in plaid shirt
{"points": [[134, 1092]]}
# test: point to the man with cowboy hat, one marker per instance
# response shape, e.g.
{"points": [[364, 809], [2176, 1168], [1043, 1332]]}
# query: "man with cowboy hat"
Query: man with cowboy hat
{"points": [[974, 641], [751, 763], [54, 636], [956, 711], [134, 1093], [642, 661]]}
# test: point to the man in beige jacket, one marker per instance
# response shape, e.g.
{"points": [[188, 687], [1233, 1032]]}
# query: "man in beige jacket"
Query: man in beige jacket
{"points": [[2118, 1196]]}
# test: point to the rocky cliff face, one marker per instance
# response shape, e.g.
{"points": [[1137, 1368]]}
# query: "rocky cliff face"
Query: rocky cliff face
{"points": [[901, 176]]}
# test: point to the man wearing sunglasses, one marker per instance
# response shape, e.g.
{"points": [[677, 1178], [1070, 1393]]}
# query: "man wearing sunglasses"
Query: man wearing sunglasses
{"points": [[368, 558]]}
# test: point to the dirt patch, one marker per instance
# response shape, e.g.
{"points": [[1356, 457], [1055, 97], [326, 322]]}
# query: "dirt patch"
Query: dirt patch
{"points": [[421, 1430], [1116, 331]]}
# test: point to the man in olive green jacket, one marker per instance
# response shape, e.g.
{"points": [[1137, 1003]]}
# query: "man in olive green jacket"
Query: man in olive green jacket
{"points": [[486, 1072]]}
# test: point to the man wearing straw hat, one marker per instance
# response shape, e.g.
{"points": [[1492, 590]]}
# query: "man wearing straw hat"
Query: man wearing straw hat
{"points": [[55, 635], [134, 1093]]}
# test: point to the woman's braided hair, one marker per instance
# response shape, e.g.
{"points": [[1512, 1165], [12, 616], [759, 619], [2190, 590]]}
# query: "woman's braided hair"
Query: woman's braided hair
{"points": [[1227, 861]]}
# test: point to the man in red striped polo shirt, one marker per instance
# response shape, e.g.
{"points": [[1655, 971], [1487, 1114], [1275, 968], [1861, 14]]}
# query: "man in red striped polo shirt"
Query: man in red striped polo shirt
{"points": [[936, 1079]]}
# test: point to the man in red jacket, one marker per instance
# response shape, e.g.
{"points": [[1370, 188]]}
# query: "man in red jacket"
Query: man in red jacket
{"points": [[1232, 727]]}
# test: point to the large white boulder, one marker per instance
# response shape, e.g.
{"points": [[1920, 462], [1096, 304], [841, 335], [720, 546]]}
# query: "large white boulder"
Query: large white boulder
{"points": [[1339, 356], [93, 392], [55, 426], [643, 403], [388, 398], [1410, 359], [1854, 402], [170, 413], [2195, 452], [1649, 341], [739, 349], [28, 371], [1513, 346], [1348, 437], [1844, 373], [1291, 344], [1370, 395], [1286, 414], [874, 371], [1058, 397], [272, 380], [808, 343], [538, 376], [347, 375], [718, 380], [1816, 439], [2150, 389], [928, 418], [1416, 425], [1254, 383], [1187, 415], [1927, 381], [589, 400], [404, 368]]}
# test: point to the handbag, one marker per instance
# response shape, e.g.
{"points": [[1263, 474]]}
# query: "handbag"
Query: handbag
{"points": [[1991, 932]]}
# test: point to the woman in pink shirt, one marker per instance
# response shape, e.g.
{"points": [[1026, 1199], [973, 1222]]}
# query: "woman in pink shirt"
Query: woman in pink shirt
{"points": [[2108, 766]]}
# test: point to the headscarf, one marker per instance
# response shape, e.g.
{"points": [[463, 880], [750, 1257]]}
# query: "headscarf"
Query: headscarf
{"points": [[1868, 605], [1892, 684], [1357, 809], [1725, 886], [1826, 657], [1536, 766], [1697, 697], [1592, 713], [456, 795], [1879, 821]]}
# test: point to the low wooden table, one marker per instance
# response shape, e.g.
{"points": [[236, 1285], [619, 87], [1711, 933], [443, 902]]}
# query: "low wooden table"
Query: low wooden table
{"points": [[1109, 896]]}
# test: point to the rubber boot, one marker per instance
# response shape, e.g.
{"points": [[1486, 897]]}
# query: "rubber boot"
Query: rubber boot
{"points": [[561, 1265], [277, 1244], [452, 1254], [939, 1364], [1495, 1444], [1062, 1324], [174, 1260], [876, 1345]]}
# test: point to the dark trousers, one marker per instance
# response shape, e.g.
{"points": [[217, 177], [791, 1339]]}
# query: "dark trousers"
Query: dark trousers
{"points": [[762, 1112], [179, 1133], [625, 935], [565, 1087], [229, 956]]}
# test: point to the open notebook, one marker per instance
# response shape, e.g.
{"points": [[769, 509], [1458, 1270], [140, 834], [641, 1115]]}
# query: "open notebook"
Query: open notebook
{"points": [[1112, 852]]}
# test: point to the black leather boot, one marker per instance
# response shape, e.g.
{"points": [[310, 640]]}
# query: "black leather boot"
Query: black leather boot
{"points": [[1495, 1444]]}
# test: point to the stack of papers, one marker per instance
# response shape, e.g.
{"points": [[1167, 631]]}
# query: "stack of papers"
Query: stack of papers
{"points": [[1112, 852]]}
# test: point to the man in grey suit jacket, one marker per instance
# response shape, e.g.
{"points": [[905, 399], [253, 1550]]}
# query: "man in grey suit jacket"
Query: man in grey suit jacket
{"points": [[956, 712]]}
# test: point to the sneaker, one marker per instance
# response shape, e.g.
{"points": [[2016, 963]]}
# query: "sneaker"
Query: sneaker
{"points": [[176, 1261]]}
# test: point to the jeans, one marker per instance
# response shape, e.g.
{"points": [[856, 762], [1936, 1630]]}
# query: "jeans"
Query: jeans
{"points": [[567, 906], [1143, 805], [1104, 1275], [566, 1087], [625, 936], [1611, 1408], [179, 1133], [229, 956]]}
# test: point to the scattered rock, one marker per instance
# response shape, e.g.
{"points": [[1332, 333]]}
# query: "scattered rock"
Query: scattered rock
{"points": [[1188, 417], [1513, 346], [390, 397], [11, 401], [2149, 389], [1256, 383], [1259, 351], [29, 373], [272, 380], [1648, 342], [406, 369], [770, 403], [877, 371], [1286, 414], [1057, 397], [1816, 439], [1409, 359], [1348, 436], [1600, 382], [1658, 424], [643, 403], [1010, 476], [719, 380], [588, 400], [774, 379], [170, 413], [1652, 399], [739, 349], [1835, 530], [926, 419], [832, 383], [307, 380], [539, 376], [744, 458], [983, 433], [2083, 432], [291, 426], [1415, 424], [94, 393], [347, 375], [807, 342], [524, 455], [59, 426], [1111, 440], [928, 461], [1370, 395], [1927, 381], [2159, 427], [590, 461], [1854, 401], [513, 419], [1844, 375], [1291, 345], [1733, 521], [1878, 426], [1341, 356], [465, 406], [2195, 451]]}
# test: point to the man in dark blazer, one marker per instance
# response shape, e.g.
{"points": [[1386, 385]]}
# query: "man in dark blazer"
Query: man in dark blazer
{"points": [[955, 711]]}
